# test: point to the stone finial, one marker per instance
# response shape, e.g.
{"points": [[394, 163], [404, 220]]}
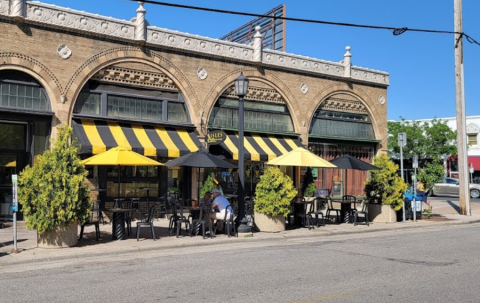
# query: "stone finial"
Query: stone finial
{"points": [[257, 45], [140, 23], [18, 9], [347, 62]]}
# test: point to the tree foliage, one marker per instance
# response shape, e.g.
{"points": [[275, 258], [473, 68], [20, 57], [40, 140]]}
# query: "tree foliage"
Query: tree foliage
{"points": [[386, 183], [274, 193], [427, 140], [207, 186], [430, 174], [53, 191], [307, 180], [310, 190]]}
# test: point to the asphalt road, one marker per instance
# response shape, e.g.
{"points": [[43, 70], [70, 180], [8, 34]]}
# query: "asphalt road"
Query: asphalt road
{"points": [[438, 264]]}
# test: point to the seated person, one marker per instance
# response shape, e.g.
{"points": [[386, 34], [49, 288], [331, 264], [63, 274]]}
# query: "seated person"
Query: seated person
{"points": [[206, 198], [220, 203]]}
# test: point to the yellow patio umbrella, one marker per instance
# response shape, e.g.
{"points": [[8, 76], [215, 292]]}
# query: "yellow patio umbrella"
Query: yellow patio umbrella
{"points": [[120, 156], [300, 157], [11, 164]]}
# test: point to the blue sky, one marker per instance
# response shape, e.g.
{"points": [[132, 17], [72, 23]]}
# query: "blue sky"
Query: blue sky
{"points": [[421, 65]]}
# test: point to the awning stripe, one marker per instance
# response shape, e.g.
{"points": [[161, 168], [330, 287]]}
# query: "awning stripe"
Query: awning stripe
{"points": [[259, 147], [98, 136], [187, 140], [118, 135], [278, 145], [94, 137], [254, 155], [148, 147], [264, 145], [106, 134], [173, 151], [231, 147]]}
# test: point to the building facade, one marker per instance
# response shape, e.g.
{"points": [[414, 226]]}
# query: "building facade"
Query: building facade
{"points": [[159, 91]]}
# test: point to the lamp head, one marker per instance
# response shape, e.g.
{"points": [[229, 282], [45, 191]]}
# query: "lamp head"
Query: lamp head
{"points": [[241, 85]]}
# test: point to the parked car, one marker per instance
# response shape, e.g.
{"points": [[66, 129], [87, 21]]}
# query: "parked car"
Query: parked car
{"points": [[449, 187]]}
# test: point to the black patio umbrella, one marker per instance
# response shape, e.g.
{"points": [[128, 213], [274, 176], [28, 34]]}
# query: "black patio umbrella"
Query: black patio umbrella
{"points": [[201, 159], [349, 162]]}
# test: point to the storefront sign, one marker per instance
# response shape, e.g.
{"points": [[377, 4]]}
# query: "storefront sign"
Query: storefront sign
{"points": [[315, 172], [14, 193], [215, 137]]}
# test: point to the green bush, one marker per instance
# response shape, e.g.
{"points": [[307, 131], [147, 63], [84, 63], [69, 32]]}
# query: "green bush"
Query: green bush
{"points": [[207, 186], [53, 192], [386, 183], [430, 174], [310, 190], [274, 193], [307, 180]]}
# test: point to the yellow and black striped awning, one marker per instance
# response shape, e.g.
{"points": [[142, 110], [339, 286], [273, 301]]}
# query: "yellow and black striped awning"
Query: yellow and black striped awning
{"points": [[260, 147], [97, 136]]}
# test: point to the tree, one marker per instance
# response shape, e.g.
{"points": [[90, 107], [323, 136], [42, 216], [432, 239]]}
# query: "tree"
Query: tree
{"points": [[53, 191], [428, 140], [386, 183], [430, 174]]}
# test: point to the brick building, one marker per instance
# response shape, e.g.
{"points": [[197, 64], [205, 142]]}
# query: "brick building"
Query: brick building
{"points": [[160, 91]]}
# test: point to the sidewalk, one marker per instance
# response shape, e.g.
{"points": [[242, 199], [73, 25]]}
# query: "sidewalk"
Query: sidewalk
{"points": [[444, 213]]}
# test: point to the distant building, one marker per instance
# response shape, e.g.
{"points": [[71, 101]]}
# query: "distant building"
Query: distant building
{"points": [[473, 148]]}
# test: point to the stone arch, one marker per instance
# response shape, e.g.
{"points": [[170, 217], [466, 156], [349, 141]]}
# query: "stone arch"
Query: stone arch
{"points": [[253, 74], [35, 69], [136, 55], [344, 88]]}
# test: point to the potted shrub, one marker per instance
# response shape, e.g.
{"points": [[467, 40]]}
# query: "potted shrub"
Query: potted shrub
{"points": [[54, 195], [309, 192], [385, 188], [274, 193], [207, 186]]}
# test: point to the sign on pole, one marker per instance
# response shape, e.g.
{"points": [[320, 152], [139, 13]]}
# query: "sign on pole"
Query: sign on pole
{"points": [[215, 137], [15, 209], [402, 139]]}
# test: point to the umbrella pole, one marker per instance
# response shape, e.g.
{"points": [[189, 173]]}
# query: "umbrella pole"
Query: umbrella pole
{"points": [[198, 186], [118, 194]]}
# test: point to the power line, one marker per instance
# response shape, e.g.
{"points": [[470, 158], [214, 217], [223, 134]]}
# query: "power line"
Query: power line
{"points": [[395, 30]]}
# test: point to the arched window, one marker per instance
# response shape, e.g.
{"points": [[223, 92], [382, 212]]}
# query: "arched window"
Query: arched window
{"points": [[21, 91]]}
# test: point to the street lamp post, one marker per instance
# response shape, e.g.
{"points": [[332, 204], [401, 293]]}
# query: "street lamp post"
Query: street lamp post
{"points": [[241, 89]]}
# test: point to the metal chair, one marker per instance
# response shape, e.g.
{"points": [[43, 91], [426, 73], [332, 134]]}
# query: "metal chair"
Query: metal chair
{"points": [[230, 227], [364, 212], [94, 220], [351, 211], [148, 221], [306, 214], [177, 218], [317, 212], [331, 209]]}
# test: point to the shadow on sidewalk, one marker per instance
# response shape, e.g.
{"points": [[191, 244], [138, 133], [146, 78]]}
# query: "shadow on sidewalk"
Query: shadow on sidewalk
{"points": [[454, 206]]}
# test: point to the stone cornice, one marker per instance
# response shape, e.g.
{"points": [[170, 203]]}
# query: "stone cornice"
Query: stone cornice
{"points": [[257, 94], [66, 18], [134, 77]]}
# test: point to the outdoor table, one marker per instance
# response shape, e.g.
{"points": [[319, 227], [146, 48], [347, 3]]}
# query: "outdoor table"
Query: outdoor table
{"points": [[345, 209], [118, 224]]}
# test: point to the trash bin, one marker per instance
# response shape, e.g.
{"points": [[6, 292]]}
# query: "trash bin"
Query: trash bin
{"points": [[408, 202]]}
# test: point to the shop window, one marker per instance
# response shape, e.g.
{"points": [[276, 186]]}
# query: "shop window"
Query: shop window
{"points": [[130, 103], [258, 116], [21, 91], [128, 107], [13, 136], [472, 139], [337, 124], [176, 112], [88, 103]]}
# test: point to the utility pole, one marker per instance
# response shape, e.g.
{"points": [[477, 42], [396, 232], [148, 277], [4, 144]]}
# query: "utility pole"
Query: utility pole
{"points": [[460, 106]]}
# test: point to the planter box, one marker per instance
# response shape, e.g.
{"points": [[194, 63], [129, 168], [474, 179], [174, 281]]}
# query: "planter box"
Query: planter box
{"points": [[269, 224], [62, 236], [379, 213]]}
